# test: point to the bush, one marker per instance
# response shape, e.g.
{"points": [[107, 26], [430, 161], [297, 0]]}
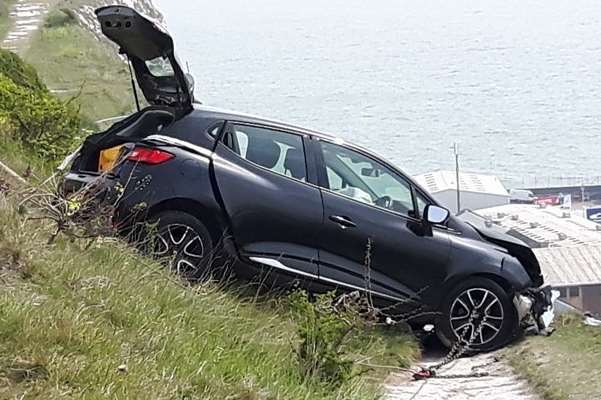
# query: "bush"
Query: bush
{"points": [[42, 123], [20, 72], [325, 326], [58, 18]]}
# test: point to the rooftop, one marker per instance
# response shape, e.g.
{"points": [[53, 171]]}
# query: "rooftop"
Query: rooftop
{"points": [[439, 181], [571, 266], [544, 227]]}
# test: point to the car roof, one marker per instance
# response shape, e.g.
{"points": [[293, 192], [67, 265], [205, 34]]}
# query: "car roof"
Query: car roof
{"points": [[204, 111]]}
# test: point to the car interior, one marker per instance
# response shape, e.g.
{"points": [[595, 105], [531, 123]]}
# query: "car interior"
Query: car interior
{"points": [[103, 149], [279, 152]]}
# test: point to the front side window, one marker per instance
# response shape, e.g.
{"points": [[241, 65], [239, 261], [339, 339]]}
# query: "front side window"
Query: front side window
{"points": [[361, 178], [280, 152], [422, 202]]}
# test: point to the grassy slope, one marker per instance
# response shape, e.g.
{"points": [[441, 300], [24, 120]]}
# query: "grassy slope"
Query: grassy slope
{"points": [[565, 366], [69, 58], [20, 160], [69, 317]]}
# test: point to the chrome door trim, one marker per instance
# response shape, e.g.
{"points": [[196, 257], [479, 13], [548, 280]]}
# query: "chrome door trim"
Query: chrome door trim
{"points": [[279, 265]]}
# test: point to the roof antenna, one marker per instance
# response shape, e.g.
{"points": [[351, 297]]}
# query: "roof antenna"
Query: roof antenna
{"points": [[133, 83]]}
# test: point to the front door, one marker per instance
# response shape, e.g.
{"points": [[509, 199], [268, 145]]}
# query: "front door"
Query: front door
{"points": [[372, 219], [274, 212]]}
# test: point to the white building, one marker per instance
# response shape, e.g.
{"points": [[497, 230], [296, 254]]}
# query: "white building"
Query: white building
{"points": [[476, 190], [576, 272], [567, 245]]}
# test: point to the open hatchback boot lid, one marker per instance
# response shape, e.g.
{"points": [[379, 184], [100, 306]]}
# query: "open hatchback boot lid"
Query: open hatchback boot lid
{"points": [[151, 52]]}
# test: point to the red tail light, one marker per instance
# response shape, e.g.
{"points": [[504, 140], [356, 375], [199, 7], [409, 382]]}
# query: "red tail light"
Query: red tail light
{"points": [[147, 155]]}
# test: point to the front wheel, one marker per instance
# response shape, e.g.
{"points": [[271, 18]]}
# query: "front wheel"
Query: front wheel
{"points": [[479, 313]]}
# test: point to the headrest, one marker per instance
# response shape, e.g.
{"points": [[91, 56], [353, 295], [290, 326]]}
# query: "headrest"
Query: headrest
{"points": [[262, 150], [295, 163]]}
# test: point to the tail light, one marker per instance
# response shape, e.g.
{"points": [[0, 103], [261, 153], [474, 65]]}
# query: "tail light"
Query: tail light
{"points": [[147, 155]]}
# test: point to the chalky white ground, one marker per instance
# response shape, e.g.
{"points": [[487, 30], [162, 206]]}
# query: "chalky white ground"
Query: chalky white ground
{"points": [[500, 384], [27, 16]]}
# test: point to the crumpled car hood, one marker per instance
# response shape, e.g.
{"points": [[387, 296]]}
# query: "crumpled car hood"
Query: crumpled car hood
{"points": [[514, 246]]}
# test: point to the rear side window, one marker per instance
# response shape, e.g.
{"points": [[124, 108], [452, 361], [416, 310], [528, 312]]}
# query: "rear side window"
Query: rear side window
{"points": [[280, 152]]}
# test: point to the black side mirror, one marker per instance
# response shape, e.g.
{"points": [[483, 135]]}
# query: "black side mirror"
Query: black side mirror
{"points": [[436, 215]]}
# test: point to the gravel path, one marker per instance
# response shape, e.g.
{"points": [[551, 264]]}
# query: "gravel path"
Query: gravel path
{"points": [[26, 16], [500, 384]]}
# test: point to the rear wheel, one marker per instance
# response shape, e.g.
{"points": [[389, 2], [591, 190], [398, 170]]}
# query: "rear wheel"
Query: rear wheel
{"points": [[182, 243], [479, 312]]}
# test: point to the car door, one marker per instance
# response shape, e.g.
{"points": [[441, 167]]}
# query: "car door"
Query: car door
{"points": [[372, 217], [263, 179]]}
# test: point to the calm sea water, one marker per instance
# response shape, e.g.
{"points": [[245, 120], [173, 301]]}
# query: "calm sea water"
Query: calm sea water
{"points": [[516, 83]]}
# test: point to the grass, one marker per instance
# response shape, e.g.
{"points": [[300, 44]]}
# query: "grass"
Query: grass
{"points": [[4, 17], [70, 59], [103, 322], [98, 321], [20, 160], [564, 366]]}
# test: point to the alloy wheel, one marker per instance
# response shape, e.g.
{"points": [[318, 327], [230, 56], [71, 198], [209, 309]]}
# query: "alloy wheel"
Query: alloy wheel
{"points": [[181, 246], [477, 313]]}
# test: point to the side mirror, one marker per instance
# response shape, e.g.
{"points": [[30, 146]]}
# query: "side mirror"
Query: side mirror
{"points": [[436, 215]]}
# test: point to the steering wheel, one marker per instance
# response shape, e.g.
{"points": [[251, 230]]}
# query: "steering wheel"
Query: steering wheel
{"points": [[384, 201]]}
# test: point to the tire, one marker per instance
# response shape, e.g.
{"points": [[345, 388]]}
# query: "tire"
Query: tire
{"points": [[182, 243], [491, 307]]}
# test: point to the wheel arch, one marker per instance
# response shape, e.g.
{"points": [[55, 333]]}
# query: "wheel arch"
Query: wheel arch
{"points": [[210, 217], [453, 282]]}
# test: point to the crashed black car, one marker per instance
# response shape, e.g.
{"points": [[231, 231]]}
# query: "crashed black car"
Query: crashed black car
{"points": [[305, 206]]}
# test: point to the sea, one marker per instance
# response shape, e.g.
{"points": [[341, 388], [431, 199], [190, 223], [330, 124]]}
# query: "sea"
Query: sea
{"points": [[516, 84]]}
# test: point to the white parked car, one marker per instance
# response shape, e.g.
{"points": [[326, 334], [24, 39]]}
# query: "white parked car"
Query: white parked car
{"points": [[521, 196]]}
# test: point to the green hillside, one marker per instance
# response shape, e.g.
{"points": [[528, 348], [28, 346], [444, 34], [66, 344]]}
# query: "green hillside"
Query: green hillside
{"points": [[75, 64], [103, 322]]}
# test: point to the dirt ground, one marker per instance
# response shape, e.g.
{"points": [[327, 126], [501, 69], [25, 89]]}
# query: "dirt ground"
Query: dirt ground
{"points": [[501, 383]]}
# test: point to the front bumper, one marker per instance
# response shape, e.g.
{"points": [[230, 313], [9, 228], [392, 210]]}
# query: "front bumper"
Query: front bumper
{"points": [[535, 308]]}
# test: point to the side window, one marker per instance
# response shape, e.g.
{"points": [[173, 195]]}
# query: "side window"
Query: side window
{"points": [[363, 179], [421, 203], [280, 152]]}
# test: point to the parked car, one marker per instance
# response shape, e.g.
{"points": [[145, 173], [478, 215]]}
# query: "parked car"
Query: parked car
{"points": [[521, 196], [300, 205], [548, 200]]}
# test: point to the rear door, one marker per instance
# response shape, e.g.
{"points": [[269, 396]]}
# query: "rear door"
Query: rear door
{"points": [[372, 237], [265, 184], [151, 51]]}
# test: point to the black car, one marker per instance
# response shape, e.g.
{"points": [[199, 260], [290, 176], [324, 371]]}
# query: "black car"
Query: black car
{"points": [[303, 205]]}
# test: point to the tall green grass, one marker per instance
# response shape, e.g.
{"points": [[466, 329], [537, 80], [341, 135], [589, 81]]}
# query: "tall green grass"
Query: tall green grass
{"points": [[106, 323]]}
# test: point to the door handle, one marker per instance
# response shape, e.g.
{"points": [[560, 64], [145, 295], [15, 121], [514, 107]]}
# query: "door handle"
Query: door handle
{"points": [[344, 222]]}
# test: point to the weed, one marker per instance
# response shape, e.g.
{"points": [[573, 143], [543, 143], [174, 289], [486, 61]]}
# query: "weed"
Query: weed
{"points": [[324, 329], [60, 17]]}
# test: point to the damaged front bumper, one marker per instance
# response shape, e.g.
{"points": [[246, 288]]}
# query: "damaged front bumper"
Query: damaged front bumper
{"points": [[535, 309]]}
